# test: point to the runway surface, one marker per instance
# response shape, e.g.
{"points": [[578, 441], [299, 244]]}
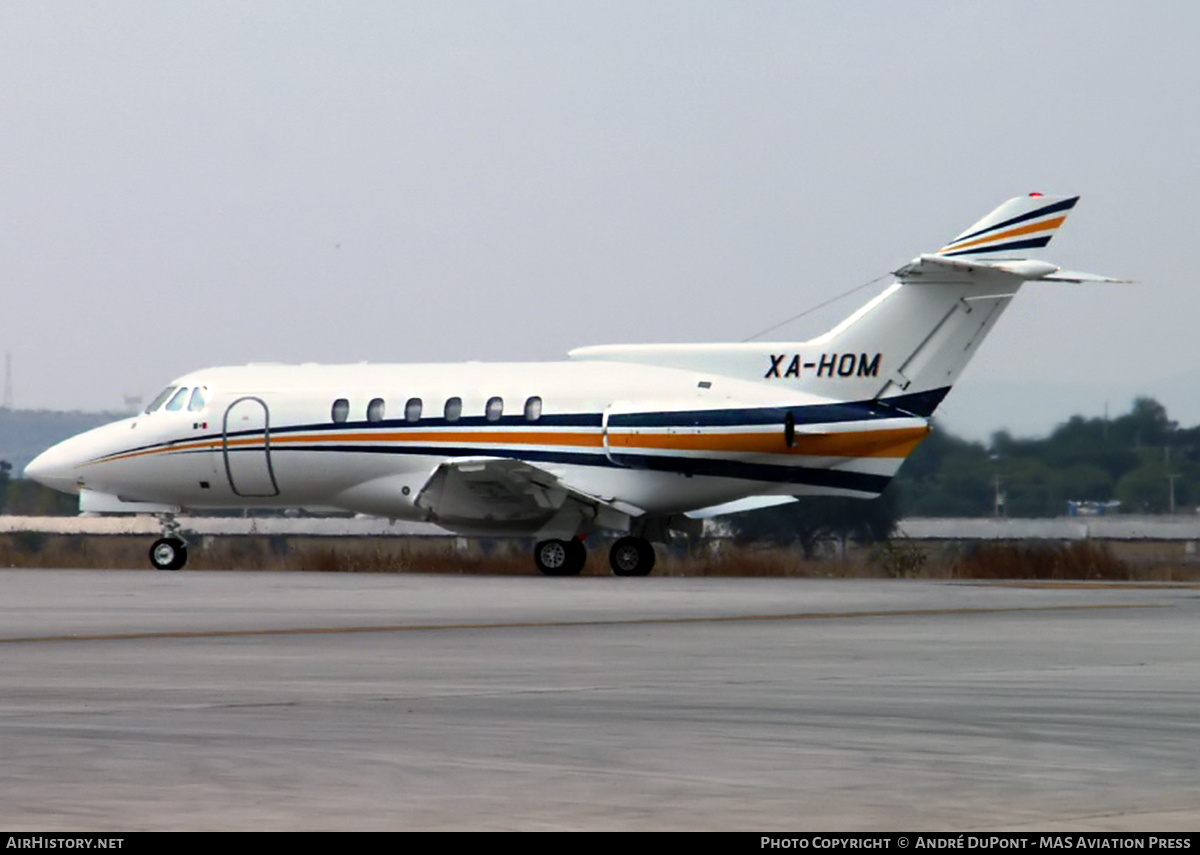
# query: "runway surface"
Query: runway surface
{"points": [[134, 700]]}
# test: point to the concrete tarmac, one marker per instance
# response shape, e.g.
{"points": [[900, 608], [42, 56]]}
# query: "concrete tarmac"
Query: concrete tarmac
{"points": [[135, 700]]}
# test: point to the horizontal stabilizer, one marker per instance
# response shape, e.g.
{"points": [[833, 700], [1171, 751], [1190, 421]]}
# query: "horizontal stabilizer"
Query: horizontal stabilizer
{"points": [[930, 268], [1078, 276]]}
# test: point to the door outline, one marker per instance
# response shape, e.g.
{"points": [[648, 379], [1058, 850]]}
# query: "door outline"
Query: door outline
{"points": [[604, 434], [248, 463], [616, 408]]}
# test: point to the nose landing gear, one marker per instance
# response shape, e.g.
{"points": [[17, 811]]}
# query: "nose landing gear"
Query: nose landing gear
{"points": [[169, 552]]}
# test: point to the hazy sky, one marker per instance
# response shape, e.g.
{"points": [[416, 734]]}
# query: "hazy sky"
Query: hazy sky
{"points": [[189, 184]]}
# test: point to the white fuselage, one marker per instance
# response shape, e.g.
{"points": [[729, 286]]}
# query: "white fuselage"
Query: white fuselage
{"points": [[368, 438]]}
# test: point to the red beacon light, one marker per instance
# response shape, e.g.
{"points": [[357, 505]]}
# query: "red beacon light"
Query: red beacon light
{"points": [[1035, 195]]}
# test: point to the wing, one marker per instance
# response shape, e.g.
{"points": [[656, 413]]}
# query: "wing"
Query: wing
{"points": [[496, 493], [750, 503]]}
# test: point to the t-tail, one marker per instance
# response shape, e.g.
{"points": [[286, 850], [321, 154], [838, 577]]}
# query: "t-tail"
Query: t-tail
{"points": [[909, 345]]}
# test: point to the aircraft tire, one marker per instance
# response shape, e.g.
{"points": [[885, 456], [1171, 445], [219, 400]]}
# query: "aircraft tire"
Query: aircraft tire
{"points": [[631, 556], [168, 553], [578, 554], [560, 557]]}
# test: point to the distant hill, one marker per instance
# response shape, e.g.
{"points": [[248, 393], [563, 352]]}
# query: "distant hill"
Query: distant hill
{"points": [[24, 434]]}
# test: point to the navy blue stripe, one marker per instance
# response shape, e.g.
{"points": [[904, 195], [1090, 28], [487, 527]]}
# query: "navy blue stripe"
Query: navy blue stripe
{"points": [[163, 446], [862, 481], [919, 404], [1032, 243], [1065, 205], [563, 420], [803, 414], [799, 475], [583, 458], [810, 414]]}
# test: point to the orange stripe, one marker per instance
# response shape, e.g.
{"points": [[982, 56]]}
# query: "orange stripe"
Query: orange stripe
{"points": [[189, 446], [896, 442], [594, 440], [1023, 230]]}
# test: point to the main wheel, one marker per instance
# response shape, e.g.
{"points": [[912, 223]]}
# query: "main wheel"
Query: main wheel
{"points": [[560, 557], [168, 553], [577, 555], [631, 556]]}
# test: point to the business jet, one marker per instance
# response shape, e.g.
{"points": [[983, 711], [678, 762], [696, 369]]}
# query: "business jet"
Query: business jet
{"points": [[635, 440]]}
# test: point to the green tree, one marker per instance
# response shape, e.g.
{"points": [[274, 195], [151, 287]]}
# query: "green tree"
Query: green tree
{"points": [[812, 519], [1083, 459], [1145, 425], [5, 468], [29, 498], [947, 476]]}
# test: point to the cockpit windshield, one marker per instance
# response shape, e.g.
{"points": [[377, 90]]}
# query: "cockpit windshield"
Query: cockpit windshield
{"points": [[176, 398], [198, 400], [161, 399]]}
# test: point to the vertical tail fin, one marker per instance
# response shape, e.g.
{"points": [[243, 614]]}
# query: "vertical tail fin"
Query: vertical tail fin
{"points": [[910, 343], [928, 325]]}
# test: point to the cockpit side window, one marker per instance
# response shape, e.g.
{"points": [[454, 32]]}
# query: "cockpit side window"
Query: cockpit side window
{"points": [[199, 399], [161, 399], [178, 399]]}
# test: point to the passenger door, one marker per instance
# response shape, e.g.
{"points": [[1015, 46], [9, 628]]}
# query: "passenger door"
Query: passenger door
{"points": [[246, 447]]}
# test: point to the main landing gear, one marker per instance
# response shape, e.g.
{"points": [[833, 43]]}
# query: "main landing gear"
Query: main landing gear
{"points": [[632, 556], [169, 552], [560, 557], [629, 556]]}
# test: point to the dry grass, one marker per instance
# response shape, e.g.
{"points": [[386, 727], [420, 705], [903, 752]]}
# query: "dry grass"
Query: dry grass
{"points": [[1077, 560]]}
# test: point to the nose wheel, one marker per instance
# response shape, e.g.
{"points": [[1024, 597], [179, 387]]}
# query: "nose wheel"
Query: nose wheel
{"points": [[168, 553]]}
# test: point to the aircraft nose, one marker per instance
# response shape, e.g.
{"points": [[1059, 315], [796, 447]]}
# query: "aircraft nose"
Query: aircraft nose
{"points": [[55, 468]]}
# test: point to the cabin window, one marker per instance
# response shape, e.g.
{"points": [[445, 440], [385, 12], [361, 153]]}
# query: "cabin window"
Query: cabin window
{"points": [[533, 409], [453, 409], [161, 399], [199, 399], [412, 410], [495, 409], [178, 399], [341, 410], [375, 410]]}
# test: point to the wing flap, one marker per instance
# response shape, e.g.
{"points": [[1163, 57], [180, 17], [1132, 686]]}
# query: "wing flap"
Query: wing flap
{"points": [[499, 491]]}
